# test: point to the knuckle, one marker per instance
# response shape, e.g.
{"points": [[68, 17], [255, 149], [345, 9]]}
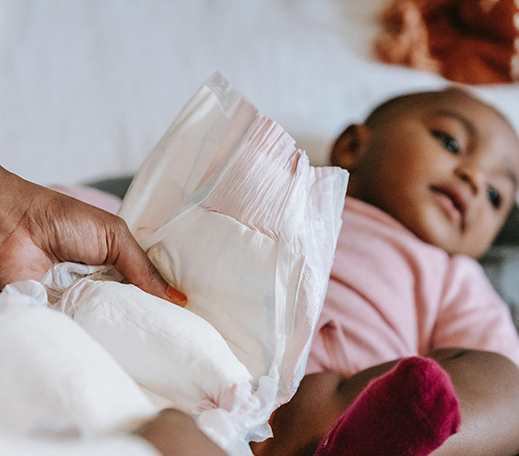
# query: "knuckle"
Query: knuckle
{"points": [[119, 224]]}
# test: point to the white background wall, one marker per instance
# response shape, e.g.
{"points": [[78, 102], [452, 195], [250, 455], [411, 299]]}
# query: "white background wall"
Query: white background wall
{"points": [[87, 87]]}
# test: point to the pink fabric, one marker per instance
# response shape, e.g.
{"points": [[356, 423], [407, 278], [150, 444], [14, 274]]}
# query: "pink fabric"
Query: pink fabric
{"points": [[392, 296]]}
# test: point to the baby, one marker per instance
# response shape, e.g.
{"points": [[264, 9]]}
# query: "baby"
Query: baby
{"points": [[433, 178]]}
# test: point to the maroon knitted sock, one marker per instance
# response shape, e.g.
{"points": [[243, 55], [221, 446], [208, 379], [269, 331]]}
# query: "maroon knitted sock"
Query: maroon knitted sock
{"points": [[411, 410]]}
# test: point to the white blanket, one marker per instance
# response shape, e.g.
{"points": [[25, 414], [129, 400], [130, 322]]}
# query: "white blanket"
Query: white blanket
{"points": [[56, 380]]}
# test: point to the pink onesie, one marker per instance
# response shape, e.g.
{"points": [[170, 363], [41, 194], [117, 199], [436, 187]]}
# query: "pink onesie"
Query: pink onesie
{"points": [[391, 296]]}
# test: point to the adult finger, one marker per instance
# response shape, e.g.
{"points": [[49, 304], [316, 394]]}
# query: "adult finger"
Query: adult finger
{"points": [[131, 261]]}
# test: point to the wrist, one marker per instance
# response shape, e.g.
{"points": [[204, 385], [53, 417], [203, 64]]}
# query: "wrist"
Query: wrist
{"points": [[12, 203], [17, 197]]}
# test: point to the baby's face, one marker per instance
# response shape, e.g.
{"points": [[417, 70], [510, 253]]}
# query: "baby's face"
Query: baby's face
{"points": [[447, 169]]}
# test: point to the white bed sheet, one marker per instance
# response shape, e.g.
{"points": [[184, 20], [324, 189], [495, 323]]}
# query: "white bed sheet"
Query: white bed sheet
{"points": [[77, 389], [113, 446]]}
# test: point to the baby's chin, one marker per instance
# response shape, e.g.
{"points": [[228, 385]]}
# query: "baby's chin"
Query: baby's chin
{"points": [[455, 245], [437, 232]]}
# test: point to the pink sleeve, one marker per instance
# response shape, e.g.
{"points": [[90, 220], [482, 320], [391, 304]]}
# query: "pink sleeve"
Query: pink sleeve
{"points": [[472, 315], [354, 333]]}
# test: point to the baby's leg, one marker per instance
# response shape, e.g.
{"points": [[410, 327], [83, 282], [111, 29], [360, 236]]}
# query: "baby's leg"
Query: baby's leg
{"points": [[411, 410]]}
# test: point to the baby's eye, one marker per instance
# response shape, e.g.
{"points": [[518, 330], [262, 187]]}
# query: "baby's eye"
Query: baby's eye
{"points": [[494, 197], [447, 141]]}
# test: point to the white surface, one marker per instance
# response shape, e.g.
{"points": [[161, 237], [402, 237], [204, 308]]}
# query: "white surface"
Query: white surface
{"points": [[56, 380], [88, 87], [114, 446]]}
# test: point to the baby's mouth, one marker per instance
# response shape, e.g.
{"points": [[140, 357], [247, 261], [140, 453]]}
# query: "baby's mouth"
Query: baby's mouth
{"points": [[452, 203]]}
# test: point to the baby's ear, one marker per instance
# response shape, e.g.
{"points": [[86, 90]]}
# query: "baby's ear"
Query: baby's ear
{"points": [[347, 149]]}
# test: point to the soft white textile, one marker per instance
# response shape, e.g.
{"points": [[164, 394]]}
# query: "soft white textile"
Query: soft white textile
{"points": [[113, 446], [55, 379]]}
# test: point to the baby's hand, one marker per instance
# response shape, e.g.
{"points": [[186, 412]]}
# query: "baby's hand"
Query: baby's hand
{"points": [[174, 433], [40, 227]]}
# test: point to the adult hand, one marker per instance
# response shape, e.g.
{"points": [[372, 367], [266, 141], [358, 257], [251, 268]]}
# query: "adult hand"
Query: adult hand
{"points": [[40, 227]]}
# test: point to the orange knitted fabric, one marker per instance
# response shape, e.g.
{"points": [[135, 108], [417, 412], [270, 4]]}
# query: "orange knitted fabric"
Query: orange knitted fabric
{"points": [[468, 41]]}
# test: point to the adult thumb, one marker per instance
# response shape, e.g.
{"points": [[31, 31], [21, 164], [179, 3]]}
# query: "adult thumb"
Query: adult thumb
{"points": [[132, 262]]}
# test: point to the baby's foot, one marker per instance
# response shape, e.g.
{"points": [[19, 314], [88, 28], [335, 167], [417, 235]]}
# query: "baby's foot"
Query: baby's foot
{"points": [[411, 410]]}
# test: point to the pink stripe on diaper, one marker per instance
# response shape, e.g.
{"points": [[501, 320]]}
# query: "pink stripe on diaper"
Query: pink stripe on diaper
{"points": [[256, 188]]}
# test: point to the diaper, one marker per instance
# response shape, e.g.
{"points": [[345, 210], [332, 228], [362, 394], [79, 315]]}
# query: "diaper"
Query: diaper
{"points": [[234, 216]]}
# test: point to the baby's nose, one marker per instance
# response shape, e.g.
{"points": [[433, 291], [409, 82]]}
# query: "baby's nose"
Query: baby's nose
{"points": [[473, 175]]}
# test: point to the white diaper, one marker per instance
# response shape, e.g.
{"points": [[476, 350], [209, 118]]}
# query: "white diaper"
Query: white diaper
{"points": [[234, 216]]}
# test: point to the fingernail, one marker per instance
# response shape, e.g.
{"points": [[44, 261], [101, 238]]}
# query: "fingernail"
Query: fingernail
{"points": [[176, 296]]}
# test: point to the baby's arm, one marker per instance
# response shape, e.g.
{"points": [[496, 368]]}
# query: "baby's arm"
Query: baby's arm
{"points": [[487, 385], [174, 433]]}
